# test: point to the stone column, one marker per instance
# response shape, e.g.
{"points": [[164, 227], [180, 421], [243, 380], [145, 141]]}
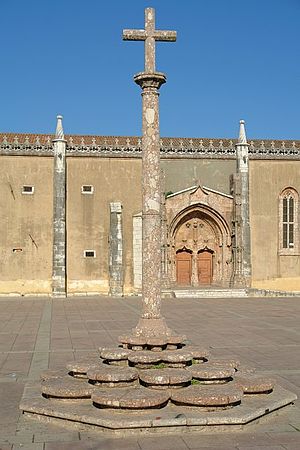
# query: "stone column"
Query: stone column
{"points": [[116, 275], [151, 323], [242, 242], [59, 213]]}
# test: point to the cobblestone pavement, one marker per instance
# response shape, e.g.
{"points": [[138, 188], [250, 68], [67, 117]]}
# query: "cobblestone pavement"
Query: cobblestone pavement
{"points": [[36, 333]]}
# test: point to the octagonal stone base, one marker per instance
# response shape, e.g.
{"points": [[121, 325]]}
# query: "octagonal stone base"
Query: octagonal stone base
{"points": [[172, 418]]}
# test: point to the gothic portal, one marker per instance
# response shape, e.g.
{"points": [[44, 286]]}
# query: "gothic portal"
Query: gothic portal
{"points": [[199, 239]]}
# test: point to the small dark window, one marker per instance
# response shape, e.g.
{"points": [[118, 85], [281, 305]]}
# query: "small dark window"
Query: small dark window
{"points": [[87, 189], [89, 254], [28, 190]]}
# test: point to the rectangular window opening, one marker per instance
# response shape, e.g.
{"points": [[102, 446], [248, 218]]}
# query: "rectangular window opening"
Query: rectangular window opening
{"points": [[28, 189], [87, 189], [89, 254]]}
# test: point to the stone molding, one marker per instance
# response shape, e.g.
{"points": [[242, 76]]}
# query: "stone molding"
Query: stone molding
{"points": [[114, 146]]}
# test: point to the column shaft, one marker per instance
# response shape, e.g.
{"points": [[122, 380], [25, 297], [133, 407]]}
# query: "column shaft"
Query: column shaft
{"points": [[151, 205], [59, 220]]}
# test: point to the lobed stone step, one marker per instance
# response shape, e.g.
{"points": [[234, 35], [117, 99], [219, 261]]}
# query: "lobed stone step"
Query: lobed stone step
{"points": [[198, 354], [211, 374], [207, 396], [112, 376], [80, 368], [52, 374], [130, 398], [172, 358], [216, 362], [67, 388], [254, 384], [165, 378], [152, 343], [117, 356]]}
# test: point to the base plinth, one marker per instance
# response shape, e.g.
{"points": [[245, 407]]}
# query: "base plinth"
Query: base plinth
{"points": [[152, 328]]}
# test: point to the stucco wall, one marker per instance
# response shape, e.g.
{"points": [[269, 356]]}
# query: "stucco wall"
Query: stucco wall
{"points": [[183, 173], [88, 218], [267, 181], [26, 225]]}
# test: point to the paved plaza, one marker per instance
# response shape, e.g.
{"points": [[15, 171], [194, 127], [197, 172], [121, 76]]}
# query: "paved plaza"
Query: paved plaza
{"points": [[37, 333]]}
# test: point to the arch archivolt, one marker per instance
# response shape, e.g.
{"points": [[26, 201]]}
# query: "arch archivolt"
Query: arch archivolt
{"points": [[202, 232]]}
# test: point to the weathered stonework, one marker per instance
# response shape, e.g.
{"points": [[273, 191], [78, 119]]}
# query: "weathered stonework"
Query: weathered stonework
{"points": [[137, 251], [59, 213], [116, 250], [131, 147], [199, 237], [151, 323], [241, 276]]}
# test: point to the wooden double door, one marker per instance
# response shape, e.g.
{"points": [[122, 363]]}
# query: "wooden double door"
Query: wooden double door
{"points": [[184, 267]]}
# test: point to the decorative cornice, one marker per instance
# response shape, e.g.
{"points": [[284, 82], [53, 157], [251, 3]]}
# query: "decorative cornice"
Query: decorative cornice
{"points": [[124, 146]]}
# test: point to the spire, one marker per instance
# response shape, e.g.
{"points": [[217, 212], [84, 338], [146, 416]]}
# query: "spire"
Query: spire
{"points": [[242, 134], [59, 133]]}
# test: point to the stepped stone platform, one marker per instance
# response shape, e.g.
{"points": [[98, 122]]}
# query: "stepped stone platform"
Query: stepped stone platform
{"points": [[147, 392]]}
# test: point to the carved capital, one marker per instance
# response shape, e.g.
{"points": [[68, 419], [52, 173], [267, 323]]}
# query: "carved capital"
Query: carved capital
{"points": [[150, 80]]}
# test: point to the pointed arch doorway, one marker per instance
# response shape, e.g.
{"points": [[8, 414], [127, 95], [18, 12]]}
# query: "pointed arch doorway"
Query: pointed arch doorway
{"points": [[205, 266], [184, 267]]}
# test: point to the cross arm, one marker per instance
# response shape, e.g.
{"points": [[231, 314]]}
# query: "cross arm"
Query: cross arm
{"points": [[134, 35], [162, 35]]}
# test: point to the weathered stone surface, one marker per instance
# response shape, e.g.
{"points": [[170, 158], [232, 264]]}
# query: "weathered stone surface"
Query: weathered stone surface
{"points": [[132, 340], [157, 342], [84, 413], [165, 377], [176, 339], [254, 384], [224, 362], [114, 354], [209, 373], [52, 374], [112, 374], [116, 271], [67, 387], [197, 352], [207, 396], [145, 357], [79, 368], [177, 356], [130, 398]]}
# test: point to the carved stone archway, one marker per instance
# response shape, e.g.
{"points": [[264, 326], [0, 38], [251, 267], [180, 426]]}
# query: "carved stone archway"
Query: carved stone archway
{"points": [[206, 234]]}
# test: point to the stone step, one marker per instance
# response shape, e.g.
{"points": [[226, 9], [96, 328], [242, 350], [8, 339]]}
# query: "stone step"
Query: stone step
{"points": [[210, 293]]}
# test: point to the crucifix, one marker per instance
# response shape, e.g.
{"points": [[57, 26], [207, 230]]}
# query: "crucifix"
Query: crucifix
{"points": [[151, 324], [149, 35]]}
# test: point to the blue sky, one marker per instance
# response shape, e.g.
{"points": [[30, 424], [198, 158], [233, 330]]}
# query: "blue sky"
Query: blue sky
{"points": [[232, 60]]}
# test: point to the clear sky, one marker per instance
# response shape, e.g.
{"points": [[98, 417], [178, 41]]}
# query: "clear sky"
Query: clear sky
{"points": [[233, 60]]}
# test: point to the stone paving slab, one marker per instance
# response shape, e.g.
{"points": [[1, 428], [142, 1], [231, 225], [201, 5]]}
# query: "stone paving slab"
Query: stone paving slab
{"points": [[262, 333]]}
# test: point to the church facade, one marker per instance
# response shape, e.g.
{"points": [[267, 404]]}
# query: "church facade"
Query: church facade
{"points": [[72, 224]]}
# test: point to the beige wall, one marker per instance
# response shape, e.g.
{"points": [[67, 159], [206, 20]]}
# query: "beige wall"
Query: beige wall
{"points": [[114, 179], [182, 173], [22, 216], [267, 180], [119, 179]]}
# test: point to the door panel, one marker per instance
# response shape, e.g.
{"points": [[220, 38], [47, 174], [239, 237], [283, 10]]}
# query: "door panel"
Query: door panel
{"points": [[183, 268], [205, 267]]}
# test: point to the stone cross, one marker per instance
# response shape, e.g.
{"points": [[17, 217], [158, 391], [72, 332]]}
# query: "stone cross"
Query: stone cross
{"points": [[151, 323], [149, 35]]}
